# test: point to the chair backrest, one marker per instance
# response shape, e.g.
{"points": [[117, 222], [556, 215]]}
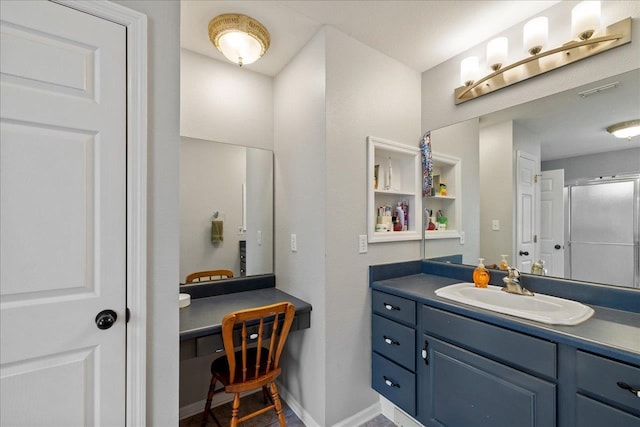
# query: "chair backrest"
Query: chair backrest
{"points": [[205, 276], [277, 317]]}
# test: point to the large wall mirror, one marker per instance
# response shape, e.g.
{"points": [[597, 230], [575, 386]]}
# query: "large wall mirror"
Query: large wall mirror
{"points": [[226, 208], [582, 218]]}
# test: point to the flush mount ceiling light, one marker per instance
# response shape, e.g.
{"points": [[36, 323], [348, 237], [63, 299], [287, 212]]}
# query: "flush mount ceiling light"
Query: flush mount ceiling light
{"points": [[240, 38], [625, 129], [588, 39]]}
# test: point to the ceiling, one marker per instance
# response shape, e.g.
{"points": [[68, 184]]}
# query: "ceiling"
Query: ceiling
{"points": [[422, 34], [569, 124]]}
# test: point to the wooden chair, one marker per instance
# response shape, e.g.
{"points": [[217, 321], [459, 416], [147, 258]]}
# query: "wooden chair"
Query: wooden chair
{"points": [[206, 276], [257, 362]]}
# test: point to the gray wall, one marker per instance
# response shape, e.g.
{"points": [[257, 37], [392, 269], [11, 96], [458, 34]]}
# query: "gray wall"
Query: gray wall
{"points": [[220, 102], [299, 113], [162, 207], [496, 192], [438, 83], [461, 140], [595, 165], [328, 99]]}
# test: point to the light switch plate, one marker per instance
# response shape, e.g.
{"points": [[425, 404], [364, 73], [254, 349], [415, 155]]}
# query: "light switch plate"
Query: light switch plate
{"points": [[362, 244], [495, 225], [294, 243]]}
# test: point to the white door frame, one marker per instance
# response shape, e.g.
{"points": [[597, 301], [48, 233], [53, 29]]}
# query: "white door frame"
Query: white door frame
{"points": [[136, 24]]}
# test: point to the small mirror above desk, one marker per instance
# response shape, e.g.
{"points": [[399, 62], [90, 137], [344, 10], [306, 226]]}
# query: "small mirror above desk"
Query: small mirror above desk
{"points": [[226, 208]]}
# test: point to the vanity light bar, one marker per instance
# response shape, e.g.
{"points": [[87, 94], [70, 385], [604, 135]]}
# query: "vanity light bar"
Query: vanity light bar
{"points": [[599, 89]]}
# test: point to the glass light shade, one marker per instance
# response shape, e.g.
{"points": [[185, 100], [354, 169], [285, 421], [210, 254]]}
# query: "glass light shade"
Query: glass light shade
{"points": [[535, 34], [469, 70], [497, 52], [585, 19], [626, 129], [240, 47]]}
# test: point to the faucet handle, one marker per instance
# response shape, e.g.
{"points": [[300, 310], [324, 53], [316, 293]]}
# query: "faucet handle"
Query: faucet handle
{"points": [[514, 273]]}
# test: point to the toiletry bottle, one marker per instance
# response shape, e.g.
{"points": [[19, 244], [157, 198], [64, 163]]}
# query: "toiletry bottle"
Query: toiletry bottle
{"points": [[503, 262], [400, 216], [480, 275]]}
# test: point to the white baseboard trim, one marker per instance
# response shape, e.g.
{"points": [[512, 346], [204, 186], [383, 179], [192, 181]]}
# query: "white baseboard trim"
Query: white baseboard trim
{"points": [[297, 409], [358, 419], [387, 408], [353, 421], [361, 417]]}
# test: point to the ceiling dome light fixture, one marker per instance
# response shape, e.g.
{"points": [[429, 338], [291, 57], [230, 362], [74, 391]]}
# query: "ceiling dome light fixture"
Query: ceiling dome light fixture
{"points": [[625, 129], [240, 38]]}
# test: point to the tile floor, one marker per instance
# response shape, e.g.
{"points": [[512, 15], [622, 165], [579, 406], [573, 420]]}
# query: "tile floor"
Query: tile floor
{"points": [[268, 419]]}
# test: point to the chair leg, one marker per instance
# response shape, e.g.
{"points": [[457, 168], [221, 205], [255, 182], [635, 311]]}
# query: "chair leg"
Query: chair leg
{"points": [[277, 404], [207, 406], [235, 409]]}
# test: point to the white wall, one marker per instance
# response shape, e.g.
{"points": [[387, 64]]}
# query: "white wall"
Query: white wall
{"points": [[222, 102], [461, 140], [162, 207], [438, 83], [259, 212], [496, 191], [211, 178], [328, 99], [300, 170], [367, 93]]}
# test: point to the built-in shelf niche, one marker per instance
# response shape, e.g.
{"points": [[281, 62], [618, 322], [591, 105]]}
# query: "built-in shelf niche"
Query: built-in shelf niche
{"points": [[446, 169], [403, 186]]}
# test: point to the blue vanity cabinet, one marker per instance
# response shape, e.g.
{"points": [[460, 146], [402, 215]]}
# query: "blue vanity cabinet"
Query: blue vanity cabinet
{"points": [[476, 374], [393, 344], [599, 399]]}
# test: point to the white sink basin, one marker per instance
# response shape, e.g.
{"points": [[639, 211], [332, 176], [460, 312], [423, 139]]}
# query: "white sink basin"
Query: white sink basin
{"points": [[540, 307]]}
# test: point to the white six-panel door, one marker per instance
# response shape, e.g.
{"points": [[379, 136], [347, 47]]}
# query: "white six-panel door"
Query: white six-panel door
{"points": [[525, 248], [552, 221], [62, 216]]}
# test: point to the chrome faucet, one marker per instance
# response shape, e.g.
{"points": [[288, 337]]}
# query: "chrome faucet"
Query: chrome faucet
{"points": [[512, 283]]}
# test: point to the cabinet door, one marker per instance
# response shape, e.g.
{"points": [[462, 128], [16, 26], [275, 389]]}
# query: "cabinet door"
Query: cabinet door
{"points": [[592, 413], [461, 388]]}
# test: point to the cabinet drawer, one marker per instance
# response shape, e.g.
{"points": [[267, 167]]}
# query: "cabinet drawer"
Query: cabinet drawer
{"points": [[598, 376], [393, 340], [522, 351], [210, 344], [394, 307], [394, 382], [591, 413]]}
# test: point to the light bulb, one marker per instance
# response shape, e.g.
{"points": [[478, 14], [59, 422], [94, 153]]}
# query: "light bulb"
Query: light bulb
{"points": [[585, 19], [469, 70], [535, 34], [497, 52]]}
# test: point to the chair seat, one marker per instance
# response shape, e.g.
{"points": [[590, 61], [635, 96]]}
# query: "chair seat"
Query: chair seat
{"points": [[220, 366]]}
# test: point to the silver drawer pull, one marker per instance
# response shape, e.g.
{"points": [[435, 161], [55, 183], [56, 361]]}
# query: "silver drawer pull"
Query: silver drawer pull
{"points": [[390, 307], [253, 336], [390, 340], [390, 383], [626, 386]]}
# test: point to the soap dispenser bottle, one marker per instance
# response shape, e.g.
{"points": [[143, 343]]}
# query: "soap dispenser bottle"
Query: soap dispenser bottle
{"points": [[503, 263], [481, 275]]}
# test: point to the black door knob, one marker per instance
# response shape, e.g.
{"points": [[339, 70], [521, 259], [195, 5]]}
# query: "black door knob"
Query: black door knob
{"points": [[557, 247], [525, 253], [105, 319]]}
